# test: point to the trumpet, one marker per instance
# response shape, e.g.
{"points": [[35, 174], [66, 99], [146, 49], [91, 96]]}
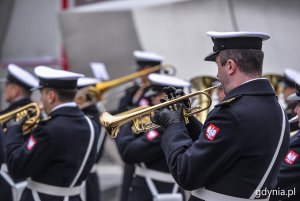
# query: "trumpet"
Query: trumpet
{"points": [[95, 93], [275, 82], [201, 83], [142, 118], [30, 111]]}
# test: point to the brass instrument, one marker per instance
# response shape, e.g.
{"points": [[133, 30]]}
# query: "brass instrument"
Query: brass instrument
{"points": [[30, 111], [275, 80], [200, 83], [95, 93], [113, 123]]}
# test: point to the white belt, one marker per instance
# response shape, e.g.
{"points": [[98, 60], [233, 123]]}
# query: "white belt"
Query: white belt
{"points": [[94, 169], [208, 195], [52, 190], [4, 167], [154, 174]]}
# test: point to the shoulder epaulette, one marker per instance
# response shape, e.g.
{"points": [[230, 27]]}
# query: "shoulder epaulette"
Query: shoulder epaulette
{"points": [[227, 102]]}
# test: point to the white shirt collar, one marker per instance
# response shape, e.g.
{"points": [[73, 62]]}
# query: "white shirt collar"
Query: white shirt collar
{"points": [[68, 104], [260, 78]]}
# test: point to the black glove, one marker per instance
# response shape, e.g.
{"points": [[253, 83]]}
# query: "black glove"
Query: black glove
{"points": [[186, 102], [16, 122], [169, 91], [166, 117]]}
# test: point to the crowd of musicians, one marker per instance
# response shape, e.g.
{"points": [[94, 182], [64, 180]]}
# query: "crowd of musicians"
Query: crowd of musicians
{"points": [[245, 147]]}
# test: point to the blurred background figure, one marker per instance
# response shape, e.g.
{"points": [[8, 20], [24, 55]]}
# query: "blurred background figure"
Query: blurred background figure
{"points": [[289, 174], [1, 147], [134, 97], [290, 86], [152, 178], [17, 92], [91, 190]]}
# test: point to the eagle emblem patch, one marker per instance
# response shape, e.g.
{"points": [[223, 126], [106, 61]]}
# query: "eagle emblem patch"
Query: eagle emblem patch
{"points": [[151, 135], [211, 132], [291, 157], [31, 142]]}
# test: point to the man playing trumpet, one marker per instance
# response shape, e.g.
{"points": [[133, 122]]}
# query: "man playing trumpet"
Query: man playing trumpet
{"points": [[17, 93], [152, 178], [244, 138], [61, 150]]}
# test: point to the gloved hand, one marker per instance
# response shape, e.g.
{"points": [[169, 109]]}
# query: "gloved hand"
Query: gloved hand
{"points": [[166, 117], [16, 122], [175, 93], [186, 102], [169, 91]]}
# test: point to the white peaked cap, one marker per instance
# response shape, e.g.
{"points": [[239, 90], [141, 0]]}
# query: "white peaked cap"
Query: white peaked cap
{"points": [[235, 40], [291, 75], [243, 34], [54, 78], [166, 80], [147, 56], [86, 81], [295, 96], [20, 76]]}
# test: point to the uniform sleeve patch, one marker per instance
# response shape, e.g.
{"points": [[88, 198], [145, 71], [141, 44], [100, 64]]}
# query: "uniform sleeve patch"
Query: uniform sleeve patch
{"points": [[291, 157], [211, 132], [31, 143], [151, 135]]}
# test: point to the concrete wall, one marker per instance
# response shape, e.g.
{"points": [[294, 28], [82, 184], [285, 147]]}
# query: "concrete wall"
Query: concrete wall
{"points": [[108, 37], [33, 31], [180, 31]]}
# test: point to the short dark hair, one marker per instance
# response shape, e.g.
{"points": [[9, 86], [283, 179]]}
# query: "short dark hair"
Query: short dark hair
{"points": [[249, 61], [64, 95]]}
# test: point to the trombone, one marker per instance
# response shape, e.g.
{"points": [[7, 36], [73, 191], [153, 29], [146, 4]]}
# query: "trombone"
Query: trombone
{"points": [[95, 93], [30, 111], [141, 118]]}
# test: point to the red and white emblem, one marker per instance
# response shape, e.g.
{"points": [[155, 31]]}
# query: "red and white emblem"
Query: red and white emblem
{"points": [[151, 135], [31, 142], [291, 157], [211, 132]]}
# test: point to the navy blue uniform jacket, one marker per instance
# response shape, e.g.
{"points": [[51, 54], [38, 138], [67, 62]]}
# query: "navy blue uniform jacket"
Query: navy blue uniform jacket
{"points": [[5, 188], [289, 174], [235, 146], [143, 148], [54, 151]]}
